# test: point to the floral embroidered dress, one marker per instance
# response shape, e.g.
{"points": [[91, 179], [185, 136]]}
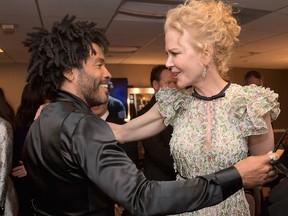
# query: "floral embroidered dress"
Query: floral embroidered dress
{"points": [[210, 135]]}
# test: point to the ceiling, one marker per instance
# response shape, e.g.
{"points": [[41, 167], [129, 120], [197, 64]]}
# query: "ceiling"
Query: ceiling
{"points": [[138, 38]]}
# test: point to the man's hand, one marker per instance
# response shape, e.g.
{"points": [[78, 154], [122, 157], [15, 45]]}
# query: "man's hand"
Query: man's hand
{"points": [[118, 210], [256, 170], [40, 110], [19, 171]]}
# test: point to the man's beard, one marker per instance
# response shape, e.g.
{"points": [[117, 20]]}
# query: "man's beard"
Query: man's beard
{"points": [[88, 86], [96, 100]]}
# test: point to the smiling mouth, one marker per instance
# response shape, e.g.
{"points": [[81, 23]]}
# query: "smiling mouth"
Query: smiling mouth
{"points": [[104, 86]]}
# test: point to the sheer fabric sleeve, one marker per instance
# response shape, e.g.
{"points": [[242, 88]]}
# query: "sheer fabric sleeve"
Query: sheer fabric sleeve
{"points": [[171, 101], [252, 104]]}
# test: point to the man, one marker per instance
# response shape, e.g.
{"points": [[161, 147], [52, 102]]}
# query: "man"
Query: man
{"points": [[110, 115], [113, 116], [158, 163], [71, 155], [116, 108], [253, 77]]}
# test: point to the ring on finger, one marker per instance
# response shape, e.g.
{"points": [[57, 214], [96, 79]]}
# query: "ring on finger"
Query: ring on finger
{"points": [[273, 158]]}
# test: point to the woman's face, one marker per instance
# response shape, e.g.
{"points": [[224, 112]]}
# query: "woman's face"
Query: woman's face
{"points": [[183, 58]]}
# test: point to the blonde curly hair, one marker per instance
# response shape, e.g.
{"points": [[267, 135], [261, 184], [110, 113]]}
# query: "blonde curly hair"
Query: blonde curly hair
{"points": [[210, 22]]}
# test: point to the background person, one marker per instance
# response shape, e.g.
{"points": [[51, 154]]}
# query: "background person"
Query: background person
{"points": [[31, 100], [253, 77], [7, 112], [8, 196], [116, 108], [158, 162]]}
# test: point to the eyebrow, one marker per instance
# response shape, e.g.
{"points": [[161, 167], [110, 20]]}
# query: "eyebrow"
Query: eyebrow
{"points": [[99, 59], [171, 50]]}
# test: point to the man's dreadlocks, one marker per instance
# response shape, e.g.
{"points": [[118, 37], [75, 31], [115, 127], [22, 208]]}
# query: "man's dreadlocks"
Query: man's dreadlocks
{"points": [[67, 45]]}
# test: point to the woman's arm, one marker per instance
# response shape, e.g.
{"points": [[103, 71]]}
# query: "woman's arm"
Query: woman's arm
{"points": [[146, 125], [262, 144]]}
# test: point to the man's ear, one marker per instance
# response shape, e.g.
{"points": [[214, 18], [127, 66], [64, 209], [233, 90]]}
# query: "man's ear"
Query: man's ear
{"points": [[69, 74], [155, 85]]}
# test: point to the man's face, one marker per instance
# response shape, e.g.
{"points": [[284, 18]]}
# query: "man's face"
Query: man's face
{"points": [[92, 80], [256, 81], [167, 79]]}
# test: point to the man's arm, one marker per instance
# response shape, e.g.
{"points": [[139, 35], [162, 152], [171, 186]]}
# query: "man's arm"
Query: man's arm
{"points": [[129, 187]]}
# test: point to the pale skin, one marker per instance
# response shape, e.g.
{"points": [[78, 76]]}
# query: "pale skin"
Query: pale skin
{"points": [[187, 64]]}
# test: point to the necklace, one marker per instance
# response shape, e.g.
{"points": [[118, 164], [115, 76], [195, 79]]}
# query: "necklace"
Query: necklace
{"points": [[219, 95]]}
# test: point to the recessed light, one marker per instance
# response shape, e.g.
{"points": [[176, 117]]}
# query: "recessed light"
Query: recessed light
{"points": [[8, 28]]}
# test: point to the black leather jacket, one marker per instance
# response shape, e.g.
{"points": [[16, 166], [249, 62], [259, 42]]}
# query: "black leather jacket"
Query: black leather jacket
{"points": [[77, 168]]}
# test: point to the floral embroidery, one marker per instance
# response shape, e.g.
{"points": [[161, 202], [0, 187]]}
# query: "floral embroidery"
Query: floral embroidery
{"points": [[212, 135]]}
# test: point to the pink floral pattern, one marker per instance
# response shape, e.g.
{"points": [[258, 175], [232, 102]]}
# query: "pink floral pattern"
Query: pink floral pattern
{"points": [[212, 135]]}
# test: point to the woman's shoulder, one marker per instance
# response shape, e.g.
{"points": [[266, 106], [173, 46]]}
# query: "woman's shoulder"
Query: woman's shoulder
{"points": [[255, 100], [170, 101], [172, 94], [252, 90]]}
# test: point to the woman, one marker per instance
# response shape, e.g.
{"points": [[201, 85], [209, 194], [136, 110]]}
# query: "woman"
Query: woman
{"points": [[215, 122], [8, 197], [31, 99]]}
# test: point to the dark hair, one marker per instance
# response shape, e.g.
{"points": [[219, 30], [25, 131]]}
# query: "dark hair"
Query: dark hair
{"points": [[156, 73], [252, 73], [31, 99], [67, 45], [6, 110]]}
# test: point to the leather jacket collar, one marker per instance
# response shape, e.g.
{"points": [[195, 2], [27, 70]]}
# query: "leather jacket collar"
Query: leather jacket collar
{"points": [[65, 96]]}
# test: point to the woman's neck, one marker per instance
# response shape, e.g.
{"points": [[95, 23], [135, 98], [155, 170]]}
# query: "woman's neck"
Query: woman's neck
{"points": [[210, 85]]}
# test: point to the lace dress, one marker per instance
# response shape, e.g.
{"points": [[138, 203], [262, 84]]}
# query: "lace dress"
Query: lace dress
{"points": [[210, 135], [8, 197]]}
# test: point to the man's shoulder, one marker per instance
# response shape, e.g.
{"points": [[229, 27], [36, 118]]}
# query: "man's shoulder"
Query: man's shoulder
{"points": [[114, 104], [115, 101]]}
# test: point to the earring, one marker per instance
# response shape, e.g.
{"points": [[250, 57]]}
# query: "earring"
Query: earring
{"points": [[204, 72]]}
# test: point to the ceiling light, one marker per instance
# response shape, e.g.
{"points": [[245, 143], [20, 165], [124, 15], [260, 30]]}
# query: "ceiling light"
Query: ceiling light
{"points": [[1, 51], [8, 28], [119, 49]]}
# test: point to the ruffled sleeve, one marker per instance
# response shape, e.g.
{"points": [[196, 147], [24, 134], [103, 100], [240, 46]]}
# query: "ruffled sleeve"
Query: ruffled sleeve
{"points": [[252, 103], [171, 101]]}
